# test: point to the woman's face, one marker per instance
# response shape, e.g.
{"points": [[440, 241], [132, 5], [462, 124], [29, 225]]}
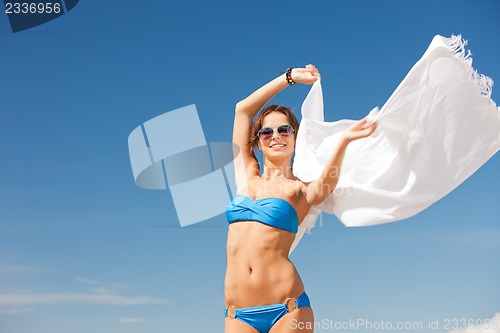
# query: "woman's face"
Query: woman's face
{"points": [[278, 145]]}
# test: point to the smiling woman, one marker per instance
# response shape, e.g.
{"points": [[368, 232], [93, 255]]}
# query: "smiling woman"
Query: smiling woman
{"points": [[260, 132], [263, 290]]}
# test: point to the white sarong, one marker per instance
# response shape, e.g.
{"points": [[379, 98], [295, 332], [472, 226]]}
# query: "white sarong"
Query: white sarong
{"points": [[437, 128]]}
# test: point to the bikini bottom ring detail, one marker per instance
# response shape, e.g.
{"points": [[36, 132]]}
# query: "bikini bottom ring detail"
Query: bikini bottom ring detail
{"points": [[262, 318]]}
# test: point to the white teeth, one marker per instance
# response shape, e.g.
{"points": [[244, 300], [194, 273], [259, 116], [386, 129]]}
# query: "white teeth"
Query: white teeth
{"points": [[277, 145]]}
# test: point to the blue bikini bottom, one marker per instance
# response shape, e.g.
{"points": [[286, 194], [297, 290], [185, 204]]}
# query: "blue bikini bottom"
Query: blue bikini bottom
{"points": [[262, 318]]}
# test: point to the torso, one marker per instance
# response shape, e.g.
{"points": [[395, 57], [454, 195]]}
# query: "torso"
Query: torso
{"points": [[258, 269]]}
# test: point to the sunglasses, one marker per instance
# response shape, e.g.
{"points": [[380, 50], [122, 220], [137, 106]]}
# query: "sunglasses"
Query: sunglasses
{"points": [[266, 133]]}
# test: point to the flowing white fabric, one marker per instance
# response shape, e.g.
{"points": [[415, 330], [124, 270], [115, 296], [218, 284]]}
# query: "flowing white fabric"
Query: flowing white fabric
{"points": [[438, 127]]}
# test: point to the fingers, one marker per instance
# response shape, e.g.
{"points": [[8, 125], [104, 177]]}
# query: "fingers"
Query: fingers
{"points": [[312, 70], [370, 129], [363, 123], [310, 67], [365, 128]]}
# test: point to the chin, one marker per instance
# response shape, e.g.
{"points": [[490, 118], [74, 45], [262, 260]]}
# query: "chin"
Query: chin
{"points": [[278, 153]]}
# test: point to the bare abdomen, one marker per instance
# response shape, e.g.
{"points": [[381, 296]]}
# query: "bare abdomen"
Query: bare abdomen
{"points": [[258, 269]]}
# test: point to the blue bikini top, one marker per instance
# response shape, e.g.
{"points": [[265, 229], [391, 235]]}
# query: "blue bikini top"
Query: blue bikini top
{"points": [[275, 212]]}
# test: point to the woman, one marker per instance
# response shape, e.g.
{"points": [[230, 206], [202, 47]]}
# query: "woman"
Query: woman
{"points": [[263, 290]]}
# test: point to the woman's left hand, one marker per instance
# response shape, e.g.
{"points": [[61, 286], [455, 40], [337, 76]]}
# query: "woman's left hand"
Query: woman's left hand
{"points": [[359, 130], [307, 75]]}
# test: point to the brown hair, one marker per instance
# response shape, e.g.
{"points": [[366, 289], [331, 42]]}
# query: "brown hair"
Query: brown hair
{"points": [[257, 125]]}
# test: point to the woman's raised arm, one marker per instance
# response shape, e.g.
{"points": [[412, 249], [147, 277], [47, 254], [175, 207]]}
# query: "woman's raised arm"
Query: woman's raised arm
{"points": [[246, 163], [318, 190]]}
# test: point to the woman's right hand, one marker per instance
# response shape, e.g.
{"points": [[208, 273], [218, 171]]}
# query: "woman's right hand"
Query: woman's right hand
{"points": [[359, 130], [307, 75]]}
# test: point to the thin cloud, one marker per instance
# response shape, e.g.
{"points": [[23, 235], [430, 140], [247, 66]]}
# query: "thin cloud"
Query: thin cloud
{"points": [[478, 238], [76, 298], [14, 311], [99, 287], [130, 320], [97, 293], [87, 281], [17, 269]]}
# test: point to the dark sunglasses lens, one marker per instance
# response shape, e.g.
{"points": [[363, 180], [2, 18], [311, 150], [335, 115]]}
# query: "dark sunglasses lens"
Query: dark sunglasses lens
{"points": [[285, 130], [265, 133]]}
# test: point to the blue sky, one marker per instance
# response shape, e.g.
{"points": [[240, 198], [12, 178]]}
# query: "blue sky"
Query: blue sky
{"points": [[83, 249]]}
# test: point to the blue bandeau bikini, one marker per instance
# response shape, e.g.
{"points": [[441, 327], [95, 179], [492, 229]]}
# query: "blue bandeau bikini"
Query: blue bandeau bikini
{"points": [[272, 211]]}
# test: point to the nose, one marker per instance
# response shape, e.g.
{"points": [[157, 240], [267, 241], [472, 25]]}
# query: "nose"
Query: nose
{"points": [[276, 133]]}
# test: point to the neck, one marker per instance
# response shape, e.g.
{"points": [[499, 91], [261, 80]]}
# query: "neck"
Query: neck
{"points": [[273, 169]]}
